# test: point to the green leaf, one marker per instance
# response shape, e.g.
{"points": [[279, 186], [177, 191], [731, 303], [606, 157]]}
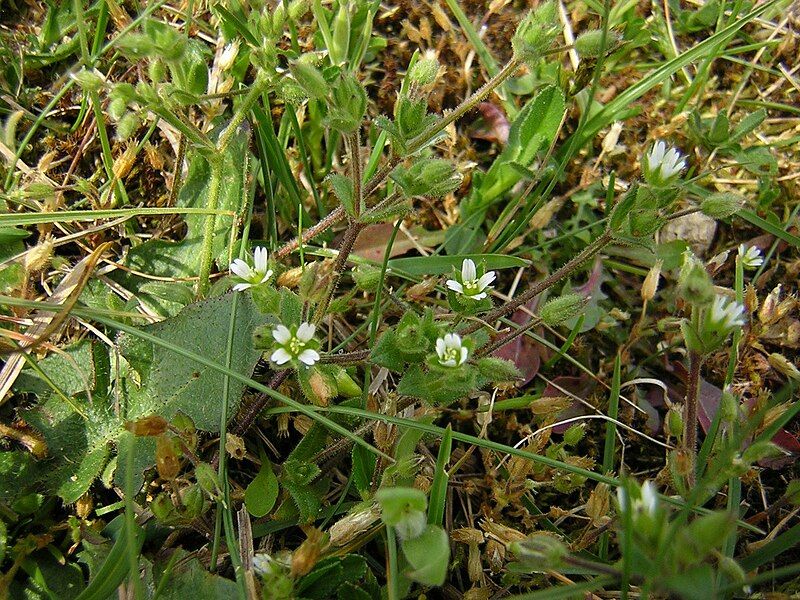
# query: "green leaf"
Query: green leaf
{"points": [[748, 124], [441, 265], [343, 188], [363, 469], [189, 579], [438, 489], [428, 555], [262, 492], [437, 387], [182, 259], [171, 383]]}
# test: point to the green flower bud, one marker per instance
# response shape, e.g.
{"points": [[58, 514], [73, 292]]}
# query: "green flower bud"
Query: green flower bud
{"points": [[347, 105], [424, 71], [192, 501], [206, 478], [404, 509], [340, 35], [694, 283], [675, 422], [367, 277], [427, 177], [128, 125], [728, 407], [722, 205], [588, 44], [157, 71], [574, 434], [309, 77], [90, 81], [297, 8], [117, 108], [541, 551], [163, 509], [562, 309], [536, 33]]}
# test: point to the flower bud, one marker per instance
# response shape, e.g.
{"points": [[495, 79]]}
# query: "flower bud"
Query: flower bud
{"points": [[367, 277], [674, 422], [192, 501], [424, 71], [694, 283], [541, 551], [588, 44], [574, 434], [162, 508], [728, 407], [562, 309], [722, 205], [536, 33], [128, 125], [89, 80], [309, 77], [650, 284]]}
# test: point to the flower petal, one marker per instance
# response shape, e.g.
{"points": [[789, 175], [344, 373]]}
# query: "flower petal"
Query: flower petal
{"points": [[464, 354], [240, 287], [455, 286], [308, 356], [468, 272], [479, 296], [240, 268], [280, 356], [266, 276], [441, 347], [281, 334], [305, 332], [486, 279], [260, 259]]}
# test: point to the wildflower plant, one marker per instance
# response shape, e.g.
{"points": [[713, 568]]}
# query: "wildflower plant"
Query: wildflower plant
{"points": [[354, 355]]}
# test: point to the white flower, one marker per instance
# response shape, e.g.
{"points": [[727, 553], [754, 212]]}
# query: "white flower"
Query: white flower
{"points": [[470, 286], [252, 276], [450, 350], [725, 315], [662, 164], [647, 502], [295, 344], [751, 257]]}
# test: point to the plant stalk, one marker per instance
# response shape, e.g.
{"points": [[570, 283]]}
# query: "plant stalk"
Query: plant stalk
{"points": [[690, 415], [206, 255], [345, 248]]}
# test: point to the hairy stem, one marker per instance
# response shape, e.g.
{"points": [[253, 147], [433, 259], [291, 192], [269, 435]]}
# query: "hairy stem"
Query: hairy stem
{"points": [[338, 267], [690, 415], [540, 286], [355, 171], [206, 253]]}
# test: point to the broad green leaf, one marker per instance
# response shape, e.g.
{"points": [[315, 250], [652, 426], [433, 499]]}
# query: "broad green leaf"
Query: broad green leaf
{"points": [[189, 579], [262, 492], [182, 259], [441, 265], [428, 556], [171, 383]]}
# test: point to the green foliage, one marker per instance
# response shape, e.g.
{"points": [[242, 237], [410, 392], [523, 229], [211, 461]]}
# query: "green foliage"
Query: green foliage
{"points": [[343, 577]]}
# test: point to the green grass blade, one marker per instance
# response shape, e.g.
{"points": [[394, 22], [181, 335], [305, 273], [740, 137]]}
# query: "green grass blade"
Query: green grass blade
{"points": [[438, 493]]}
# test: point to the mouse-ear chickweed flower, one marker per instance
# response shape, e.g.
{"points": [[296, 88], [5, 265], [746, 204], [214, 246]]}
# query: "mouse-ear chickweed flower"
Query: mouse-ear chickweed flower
{"points": [[450, 350], [295, 344], [470, 285], [662, 165], [725, 316], [251, 276], [750, 256]]}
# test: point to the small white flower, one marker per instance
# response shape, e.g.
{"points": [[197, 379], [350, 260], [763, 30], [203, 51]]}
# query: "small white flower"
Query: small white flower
{"points": [[725, 315], [295, 344], [649, 501], [751, 257], [470, 285], [252, 276], [662, 164], [450, 350]]}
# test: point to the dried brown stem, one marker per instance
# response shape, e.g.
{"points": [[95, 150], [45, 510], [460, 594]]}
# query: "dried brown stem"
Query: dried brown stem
{"points": [[690, 416]]}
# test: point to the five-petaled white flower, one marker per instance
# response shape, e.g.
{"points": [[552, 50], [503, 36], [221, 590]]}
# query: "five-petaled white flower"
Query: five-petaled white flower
{"points": [[750, 256], [252, 276], [296, 343], [725, 315], [470, 285], [662, 164], [450, 350]]}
